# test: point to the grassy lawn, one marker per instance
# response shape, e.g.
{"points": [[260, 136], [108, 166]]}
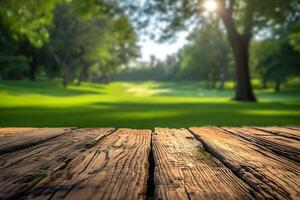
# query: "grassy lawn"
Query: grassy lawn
{"points": [[139, 105]]}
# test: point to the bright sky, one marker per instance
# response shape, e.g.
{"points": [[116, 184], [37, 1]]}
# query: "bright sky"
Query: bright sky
{"points": [[160, 51]]}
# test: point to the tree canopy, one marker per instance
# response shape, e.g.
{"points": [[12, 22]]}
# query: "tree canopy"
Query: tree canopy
{"points": [[67, 36]]}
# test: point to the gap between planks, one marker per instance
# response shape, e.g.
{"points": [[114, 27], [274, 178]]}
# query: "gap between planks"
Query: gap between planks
{"points": [[184, 170]]}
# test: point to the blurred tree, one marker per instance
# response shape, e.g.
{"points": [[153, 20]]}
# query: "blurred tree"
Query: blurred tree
{"points": [[26, 22], [276, 58], [66, 43], [294, 33], [12, 65], [27, 19], [118, 48], [295, 40], [172, 66], [206, 57], [279, 63], [79, 42]]}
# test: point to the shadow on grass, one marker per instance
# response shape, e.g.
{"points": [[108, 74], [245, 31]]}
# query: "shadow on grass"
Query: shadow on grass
{"points": [[195, 89], [150, 115], [53, 89]]}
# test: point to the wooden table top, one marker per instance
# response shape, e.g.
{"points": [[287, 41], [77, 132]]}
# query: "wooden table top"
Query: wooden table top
{"points": [[107, 163]]}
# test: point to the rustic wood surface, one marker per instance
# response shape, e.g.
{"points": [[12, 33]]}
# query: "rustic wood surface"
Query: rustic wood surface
{"points": [[104, 163], [13, 139], [283, 146], [22, 169], [271, 175], [115, 168], [286, 132], [185, 171], [9, 131]]}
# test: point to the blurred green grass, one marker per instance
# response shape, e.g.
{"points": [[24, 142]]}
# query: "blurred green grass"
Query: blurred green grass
{"points": [[140, 105]]}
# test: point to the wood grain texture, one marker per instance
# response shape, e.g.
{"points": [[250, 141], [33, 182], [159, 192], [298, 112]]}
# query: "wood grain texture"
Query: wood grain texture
{"points": [[98, 163], [115, 168], [286, 132], [297, 128], [283, 146], [185, 171], [274, 177], [20, 171], [13, 139], [12, 130]]}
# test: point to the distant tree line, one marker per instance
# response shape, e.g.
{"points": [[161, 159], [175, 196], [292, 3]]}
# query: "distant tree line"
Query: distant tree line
{"points": [[155, 69]]}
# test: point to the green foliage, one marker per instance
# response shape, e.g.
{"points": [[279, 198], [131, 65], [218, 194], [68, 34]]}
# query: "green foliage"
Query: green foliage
{"points": [[27, 19], [66, 37], [207, 55], [294, 34], [275, 58], [87, 42], [179, 15], [295, 40], [279, 62], [12, 65]]}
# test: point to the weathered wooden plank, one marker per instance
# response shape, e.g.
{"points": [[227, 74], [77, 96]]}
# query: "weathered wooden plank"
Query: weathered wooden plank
{"points": [[22, 170], [297, 128], [116, 168], [12, 130], [271, 175], [283, 146], [14, 139], [6, 133], [185, 171], [286, 132]]}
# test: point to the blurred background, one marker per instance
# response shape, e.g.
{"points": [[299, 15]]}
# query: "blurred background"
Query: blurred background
{"points": [[148, 63]]}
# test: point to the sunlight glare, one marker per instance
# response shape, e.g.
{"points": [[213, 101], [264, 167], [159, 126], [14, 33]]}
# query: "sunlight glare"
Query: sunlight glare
{"points": [[210, 5]]}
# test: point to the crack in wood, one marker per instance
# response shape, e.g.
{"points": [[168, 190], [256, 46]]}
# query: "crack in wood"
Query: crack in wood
{"points": [[267, 183]]}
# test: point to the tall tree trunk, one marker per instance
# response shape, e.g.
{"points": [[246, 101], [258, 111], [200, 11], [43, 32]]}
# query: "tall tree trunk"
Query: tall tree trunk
{"points": [[33, 68], [240, 47], [277, 86], [265, 83], [83, 75], [244, 90], [214, 81], [223, 75], [213, 84], [66, 74], [104, 79], [65, 71]]}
